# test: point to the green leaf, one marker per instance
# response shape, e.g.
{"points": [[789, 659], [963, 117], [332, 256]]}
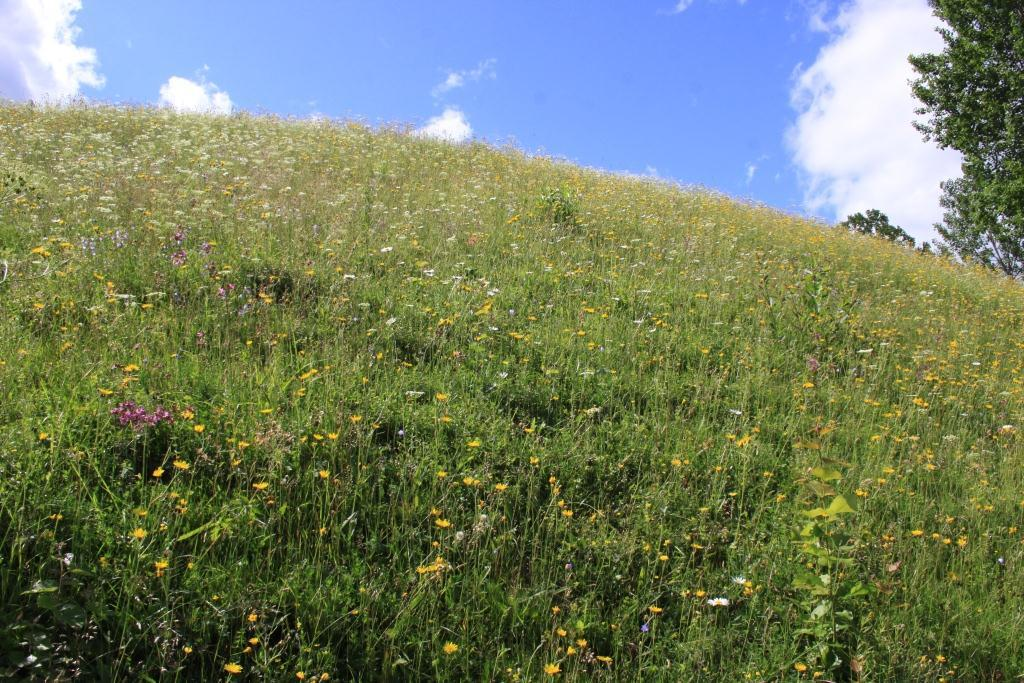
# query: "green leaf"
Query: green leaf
{"points": [[198, 530], [839, 506], [826, 474], [820, 489], [41, 587]]}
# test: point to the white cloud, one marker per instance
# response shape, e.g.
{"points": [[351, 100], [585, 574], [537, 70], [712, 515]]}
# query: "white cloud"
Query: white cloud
{"points": [[682, 6], [185, 95], [853, 139], [39, 58], [457, 79], [450, 126], [751, 171]]}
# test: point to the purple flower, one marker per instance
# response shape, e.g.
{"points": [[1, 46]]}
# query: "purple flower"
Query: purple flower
{"points": [[206, 248], [179, 257], [131, 414], [644, 628]]}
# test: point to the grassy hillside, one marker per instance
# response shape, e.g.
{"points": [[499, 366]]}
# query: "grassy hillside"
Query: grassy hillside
{"points": [[288, 400]]}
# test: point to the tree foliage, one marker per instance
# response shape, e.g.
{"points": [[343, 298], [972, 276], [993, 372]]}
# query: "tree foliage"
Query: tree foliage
{"points": [[876, 224], [973, 94]]}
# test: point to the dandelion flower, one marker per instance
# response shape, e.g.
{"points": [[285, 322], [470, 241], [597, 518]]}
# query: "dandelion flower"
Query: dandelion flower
{"points": [[233, 668], [450, 648], [552, 669]]}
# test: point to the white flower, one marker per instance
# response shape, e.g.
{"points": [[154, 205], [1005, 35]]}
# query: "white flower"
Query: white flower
{"points": [[718, 602], [739, 580]]}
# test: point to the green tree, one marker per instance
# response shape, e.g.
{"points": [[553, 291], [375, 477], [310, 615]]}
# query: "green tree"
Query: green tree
{"points": [[877, 224], [973, 94]]}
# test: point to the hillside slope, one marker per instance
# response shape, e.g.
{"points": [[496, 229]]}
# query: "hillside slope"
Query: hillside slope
{"points": [[283, 399]]}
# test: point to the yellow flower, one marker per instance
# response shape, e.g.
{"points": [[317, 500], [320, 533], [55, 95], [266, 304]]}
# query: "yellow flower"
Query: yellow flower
{"points": [[355, 418], [261, 486], [301, 675], [474, 443], [500, 487], [233, 668], [654, 609], [916, 533], [199, 429], [158, 472], [450, 648], [604, 659], [139, 533], [324, 474], [442, 523], [552, 669], [180, 464], [441, 396], [800, 666]]}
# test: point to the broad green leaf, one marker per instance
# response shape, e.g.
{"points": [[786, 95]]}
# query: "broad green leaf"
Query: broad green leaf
{"points": [[839, 506], [826, 474]]}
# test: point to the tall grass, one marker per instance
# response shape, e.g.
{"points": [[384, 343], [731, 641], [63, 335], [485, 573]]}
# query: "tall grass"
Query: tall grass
{"points": [[423, 428]]}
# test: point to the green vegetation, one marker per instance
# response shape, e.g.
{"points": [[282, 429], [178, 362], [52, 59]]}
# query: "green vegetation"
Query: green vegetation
{"points": [[876, 224], [290, 399], [973, 94]]}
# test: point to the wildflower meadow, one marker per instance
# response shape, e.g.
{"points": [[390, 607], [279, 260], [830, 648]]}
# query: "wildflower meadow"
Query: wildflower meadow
{"points": [[309, 400]]}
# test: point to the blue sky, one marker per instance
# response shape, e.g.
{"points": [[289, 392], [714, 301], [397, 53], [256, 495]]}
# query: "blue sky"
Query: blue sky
{"points": [[738, 96]]}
